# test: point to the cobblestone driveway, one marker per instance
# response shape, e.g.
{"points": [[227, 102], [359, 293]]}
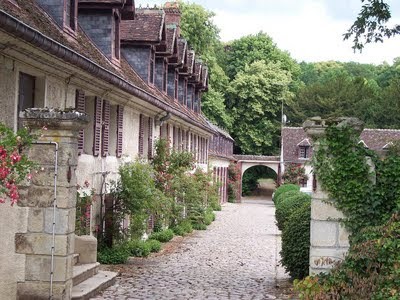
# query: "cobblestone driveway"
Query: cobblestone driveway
{"points": [[235, 258]]}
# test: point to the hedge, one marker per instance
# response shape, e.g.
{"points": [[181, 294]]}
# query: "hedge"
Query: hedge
{"points": [[296, 242], [287, 205], [284, 188]]}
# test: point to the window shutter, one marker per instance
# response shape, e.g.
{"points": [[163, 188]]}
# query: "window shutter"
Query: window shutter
{"points": [[97, 126], [120, 128], [141, 134], [106, 129], [150, 144], [80, 107]]}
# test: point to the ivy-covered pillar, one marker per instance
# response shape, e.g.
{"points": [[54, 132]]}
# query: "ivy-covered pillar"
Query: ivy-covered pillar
{"points": [[329, 240], [50, 199]]}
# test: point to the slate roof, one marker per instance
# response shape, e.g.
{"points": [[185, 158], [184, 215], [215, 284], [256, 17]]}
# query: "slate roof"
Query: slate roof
{"points": [[147, 26], [293, 137], [170, 38], [28, 12]]}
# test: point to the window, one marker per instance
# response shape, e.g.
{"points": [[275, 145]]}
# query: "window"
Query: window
{"points": [[70, 14], [26, 93], [304, 152], [303, 182]]}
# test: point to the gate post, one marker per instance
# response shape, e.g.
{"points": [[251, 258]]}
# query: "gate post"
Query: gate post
{"points": [[47, 244], [328, 238]]}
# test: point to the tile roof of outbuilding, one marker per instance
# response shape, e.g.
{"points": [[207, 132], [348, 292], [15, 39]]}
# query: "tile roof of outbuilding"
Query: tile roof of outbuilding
{"points": [[374, 139]]}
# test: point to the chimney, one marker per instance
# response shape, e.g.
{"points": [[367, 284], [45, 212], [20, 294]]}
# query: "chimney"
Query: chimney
{"points": [[173, 15]]}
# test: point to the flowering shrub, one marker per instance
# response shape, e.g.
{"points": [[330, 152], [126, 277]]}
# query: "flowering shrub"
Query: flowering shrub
{"points": [[15, 166], [233, 181], [294, 173], [84, 201]]}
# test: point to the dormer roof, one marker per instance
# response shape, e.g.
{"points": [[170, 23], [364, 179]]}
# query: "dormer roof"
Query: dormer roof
{"points": [[304, 143], [147, 27]]}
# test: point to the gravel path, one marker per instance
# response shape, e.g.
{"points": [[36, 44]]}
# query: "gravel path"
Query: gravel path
{"points": [[235, 258]]}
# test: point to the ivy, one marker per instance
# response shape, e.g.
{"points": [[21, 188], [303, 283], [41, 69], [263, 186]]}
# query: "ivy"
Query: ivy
{"points": [[362, 185]]}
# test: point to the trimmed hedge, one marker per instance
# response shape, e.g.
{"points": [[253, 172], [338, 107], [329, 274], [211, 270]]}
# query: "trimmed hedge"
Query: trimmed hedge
{"points": [[296, 242], [162, 236], [284, 188], [285, 195], [287, 205]]}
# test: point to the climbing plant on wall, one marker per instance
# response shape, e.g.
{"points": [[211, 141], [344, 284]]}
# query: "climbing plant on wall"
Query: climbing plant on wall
{"points": [[15, 165], [365, 188]]}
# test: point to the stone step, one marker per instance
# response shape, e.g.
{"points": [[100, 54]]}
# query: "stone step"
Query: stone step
{"points": [[83, 272], [92, 286], [76, 259]]}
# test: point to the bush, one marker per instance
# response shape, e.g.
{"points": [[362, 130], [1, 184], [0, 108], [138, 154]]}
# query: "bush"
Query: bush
{"points": [[187, 226], [285, 195], [199, 226], [296, 242], [113, 256], [288, 205], [216, 206], [155, 246], [370, 270], [209, 218], [284, 188], [179, 230], [139, 248], [162, 236]]}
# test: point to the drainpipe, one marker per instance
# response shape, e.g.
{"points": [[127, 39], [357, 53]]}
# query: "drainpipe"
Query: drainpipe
{"points": [[55, 144]]}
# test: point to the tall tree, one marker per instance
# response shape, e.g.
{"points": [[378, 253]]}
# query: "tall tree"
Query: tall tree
{"points": [[202, 34], [370, 25], [256, 95], [251, 48]]}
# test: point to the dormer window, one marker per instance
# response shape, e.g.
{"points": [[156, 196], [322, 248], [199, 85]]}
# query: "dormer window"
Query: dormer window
{"points": [[116, 39], [71, 10], [304, 152], [165, 77]]}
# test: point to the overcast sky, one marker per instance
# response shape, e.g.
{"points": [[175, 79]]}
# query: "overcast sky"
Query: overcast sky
{"points": [[310, 30]]}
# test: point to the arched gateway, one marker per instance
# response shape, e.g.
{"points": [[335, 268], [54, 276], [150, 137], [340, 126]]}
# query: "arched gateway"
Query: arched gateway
{"points": [[245, 162]]}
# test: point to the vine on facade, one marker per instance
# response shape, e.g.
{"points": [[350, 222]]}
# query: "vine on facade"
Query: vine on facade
{"points": [[15, 166]]}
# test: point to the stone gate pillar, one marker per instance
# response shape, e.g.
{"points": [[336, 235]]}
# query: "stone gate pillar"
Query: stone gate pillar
{"points": [[58, 130], [328, 238], [239, 192]]}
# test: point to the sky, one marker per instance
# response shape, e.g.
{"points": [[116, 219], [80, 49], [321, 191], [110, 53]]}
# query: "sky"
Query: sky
{"points": [[310, 30]]}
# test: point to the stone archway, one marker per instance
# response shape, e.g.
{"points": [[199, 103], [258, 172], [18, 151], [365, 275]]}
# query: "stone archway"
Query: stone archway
{"points": [[246, 162], [258, 180]]}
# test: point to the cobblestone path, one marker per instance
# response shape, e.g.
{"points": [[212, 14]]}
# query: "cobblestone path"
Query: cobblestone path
{"points": [[235, 258]]}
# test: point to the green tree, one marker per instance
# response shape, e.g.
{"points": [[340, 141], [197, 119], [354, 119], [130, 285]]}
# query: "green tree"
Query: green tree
{"points": [[202, 34], [251, 48], [370, 25], [255, 98]]}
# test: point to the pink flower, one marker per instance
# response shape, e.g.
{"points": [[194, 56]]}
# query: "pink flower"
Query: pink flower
{"points": [[44, 128], [4, 172], [29, 176], [15, 157], [2, 200]]}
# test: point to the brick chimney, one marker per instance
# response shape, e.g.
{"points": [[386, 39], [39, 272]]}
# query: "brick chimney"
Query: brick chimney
{"points": [[173, 15]]}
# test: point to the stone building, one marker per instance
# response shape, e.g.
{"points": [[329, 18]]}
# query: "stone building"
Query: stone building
{"points": [[133, 79]]}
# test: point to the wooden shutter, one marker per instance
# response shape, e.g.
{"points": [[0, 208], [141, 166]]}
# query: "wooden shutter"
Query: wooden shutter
{"points": [[97, 125], [105, 137], [141, 134], [80, 104], [120, 128], [150, 139]]}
